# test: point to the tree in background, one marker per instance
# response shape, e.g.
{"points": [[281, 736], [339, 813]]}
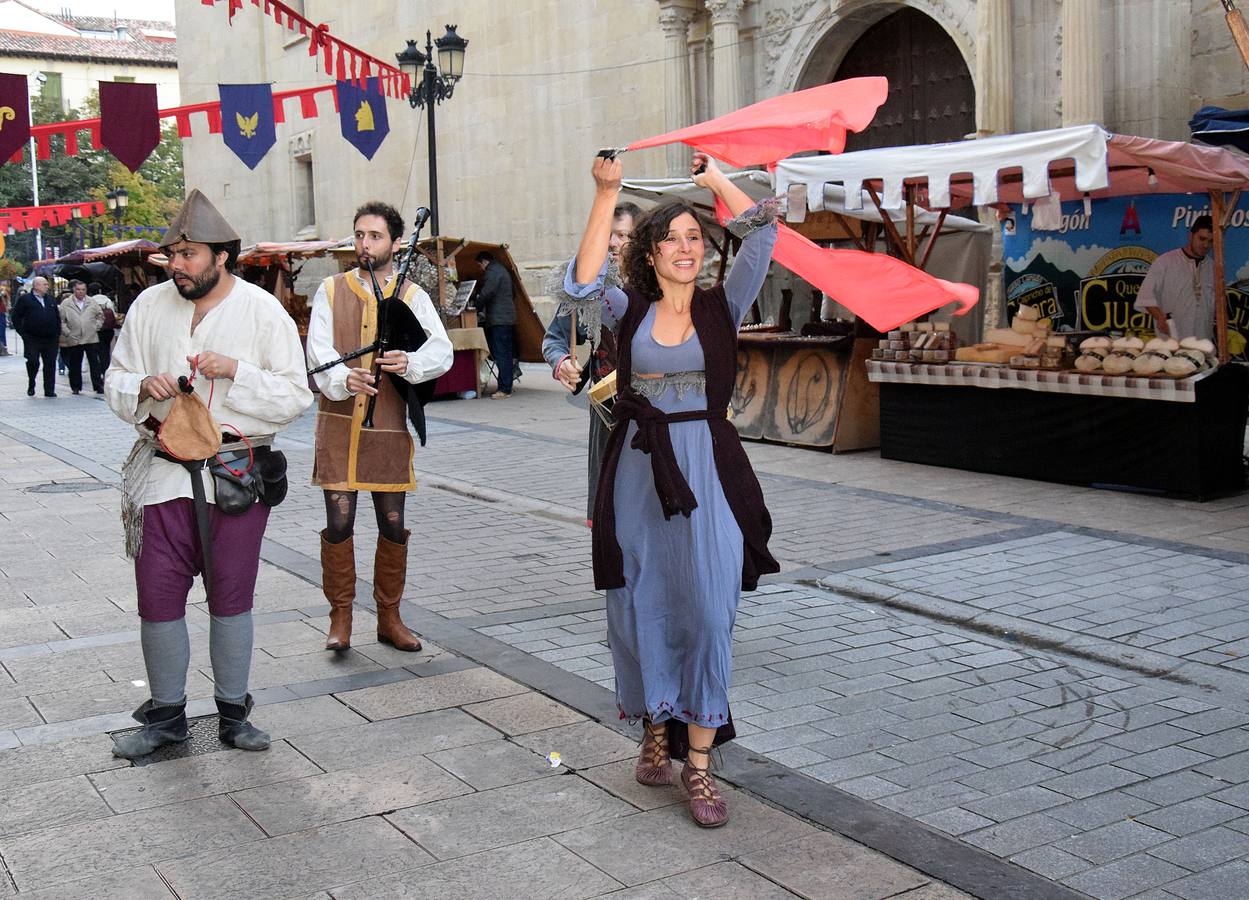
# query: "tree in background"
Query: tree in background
{"points": [[155, 191]]}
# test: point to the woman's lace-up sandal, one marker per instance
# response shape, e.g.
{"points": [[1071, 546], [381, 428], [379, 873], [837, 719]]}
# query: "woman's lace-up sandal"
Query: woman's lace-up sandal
{"points": [[707, 807], [654, 766]]}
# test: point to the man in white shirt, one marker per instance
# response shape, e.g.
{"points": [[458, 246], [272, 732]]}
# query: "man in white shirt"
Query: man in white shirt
{"points": [[1178, 290], [242, 350], [350, 457]]}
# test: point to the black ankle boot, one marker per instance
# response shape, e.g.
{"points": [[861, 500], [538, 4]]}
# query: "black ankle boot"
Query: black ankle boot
{"points": [[235, 730], [161, 725]]}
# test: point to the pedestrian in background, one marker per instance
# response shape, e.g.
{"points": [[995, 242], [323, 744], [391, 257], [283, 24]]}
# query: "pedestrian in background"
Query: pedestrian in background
{"points": [[104, 352], [81, 321], [4, 322], [38, 321], [497, 306]]}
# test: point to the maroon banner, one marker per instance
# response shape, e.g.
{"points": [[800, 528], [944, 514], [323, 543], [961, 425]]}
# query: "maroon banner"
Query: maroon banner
{"points": [[129, 121], [14, 115]]}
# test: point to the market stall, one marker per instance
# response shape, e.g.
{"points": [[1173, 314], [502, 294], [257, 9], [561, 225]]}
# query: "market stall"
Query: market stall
{"points": [[801, 378], [124, 268], [275, 266], [1015, 402]]}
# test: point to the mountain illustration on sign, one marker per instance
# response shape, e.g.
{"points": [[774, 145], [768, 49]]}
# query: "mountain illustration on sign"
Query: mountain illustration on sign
{"points": [[248, 124], [364, 117]]}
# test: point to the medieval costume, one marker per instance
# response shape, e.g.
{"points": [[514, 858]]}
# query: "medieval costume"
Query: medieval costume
{"points": [[177, 525], [350, 458], [680, 526], [557, 347]]}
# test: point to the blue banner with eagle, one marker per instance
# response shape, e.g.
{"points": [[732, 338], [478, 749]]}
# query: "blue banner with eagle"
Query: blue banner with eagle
{"points": [[362, 112], [247, 123]]}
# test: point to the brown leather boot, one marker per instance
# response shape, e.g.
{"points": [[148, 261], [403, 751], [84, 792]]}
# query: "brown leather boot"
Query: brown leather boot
{"points": [[338, 580], [390, 570]]}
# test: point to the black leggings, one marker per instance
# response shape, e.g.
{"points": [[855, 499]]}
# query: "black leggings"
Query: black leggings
{"points": [[340, 514]]}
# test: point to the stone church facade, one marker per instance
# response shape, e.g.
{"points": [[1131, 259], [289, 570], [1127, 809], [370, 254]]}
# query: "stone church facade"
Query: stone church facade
{"points": [[548, 83]]}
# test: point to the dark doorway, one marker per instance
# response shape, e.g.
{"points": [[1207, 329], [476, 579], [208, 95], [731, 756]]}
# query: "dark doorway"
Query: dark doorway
{"points": [[931, 95]]}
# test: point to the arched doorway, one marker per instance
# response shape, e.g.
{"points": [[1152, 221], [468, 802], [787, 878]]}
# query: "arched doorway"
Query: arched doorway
{"points": [[932, 98]]}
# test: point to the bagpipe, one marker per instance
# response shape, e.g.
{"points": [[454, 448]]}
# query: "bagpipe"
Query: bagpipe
{"points": [[397, 329]]}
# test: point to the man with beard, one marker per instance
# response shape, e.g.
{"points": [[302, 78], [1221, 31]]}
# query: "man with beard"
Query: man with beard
{"points": [[1178, 290], [242, 349], [351, 458]]}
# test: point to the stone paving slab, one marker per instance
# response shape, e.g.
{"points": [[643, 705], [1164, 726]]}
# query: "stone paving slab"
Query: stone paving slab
{"points": [[290, 865], [494, 818], [64, 852], [541, 866], [127, 790], [300, 803]]}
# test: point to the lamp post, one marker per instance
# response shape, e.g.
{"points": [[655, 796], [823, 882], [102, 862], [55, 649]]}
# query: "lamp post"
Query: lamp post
{"points": [[430, 87], [117, 199], [34, 163]]}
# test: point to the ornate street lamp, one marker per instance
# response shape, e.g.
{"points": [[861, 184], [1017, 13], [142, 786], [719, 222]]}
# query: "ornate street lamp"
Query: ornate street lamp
{"points": [[430, 87]]}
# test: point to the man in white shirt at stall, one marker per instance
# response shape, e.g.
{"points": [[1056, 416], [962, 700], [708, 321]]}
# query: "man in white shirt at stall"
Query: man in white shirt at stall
{"points": [[1178, 290], [242, 348]]}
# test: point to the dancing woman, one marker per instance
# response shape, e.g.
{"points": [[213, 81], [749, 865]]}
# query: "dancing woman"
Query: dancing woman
{"points": [[680, 526]]}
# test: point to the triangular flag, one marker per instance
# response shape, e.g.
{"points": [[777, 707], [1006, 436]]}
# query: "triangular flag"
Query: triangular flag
{"points": [[247, 124], [770, 130], [129, 121], [362, 113]]}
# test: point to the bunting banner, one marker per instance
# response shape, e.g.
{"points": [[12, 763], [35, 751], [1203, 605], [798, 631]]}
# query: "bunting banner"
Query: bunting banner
{"points": [[129, 121], [247, 121], [24, 218], [14, 114], [362, 112], [338, 58], [70, 132]]}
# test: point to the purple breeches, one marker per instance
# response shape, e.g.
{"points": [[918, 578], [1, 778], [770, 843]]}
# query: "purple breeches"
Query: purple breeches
{"points": [[171, 558]]}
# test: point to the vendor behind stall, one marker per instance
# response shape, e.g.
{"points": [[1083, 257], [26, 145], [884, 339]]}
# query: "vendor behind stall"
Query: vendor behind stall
{"points": [[1178, 291]]}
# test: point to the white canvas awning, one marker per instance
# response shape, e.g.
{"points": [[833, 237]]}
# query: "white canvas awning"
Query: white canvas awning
{"points": [[758, 185], [1013, 168]]}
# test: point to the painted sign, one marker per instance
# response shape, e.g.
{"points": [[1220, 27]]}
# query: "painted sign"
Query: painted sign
{"points": [[1086, 273]]}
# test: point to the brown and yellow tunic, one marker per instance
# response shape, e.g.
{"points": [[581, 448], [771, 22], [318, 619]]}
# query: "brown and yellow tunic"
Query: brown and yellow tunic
{"points": [[348, 456]]}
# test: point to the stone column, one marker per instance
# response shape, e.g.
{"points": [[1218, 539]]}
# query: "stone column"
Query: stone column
{"points": [[994, 68], [726, 54], [674, 18], [1082, 77]]}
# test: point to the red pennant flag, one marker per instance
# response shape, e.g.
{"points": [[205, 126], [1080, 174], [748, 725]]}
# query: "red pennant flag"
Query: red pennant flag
{"points": [[767, 132], [14, 114], [129, 121], [881, 290]]}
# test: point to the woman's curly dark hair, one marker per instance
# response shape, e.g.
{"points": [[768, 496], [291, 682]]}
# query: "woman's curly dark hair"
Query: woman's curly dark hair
{"points": [[648, 231]]}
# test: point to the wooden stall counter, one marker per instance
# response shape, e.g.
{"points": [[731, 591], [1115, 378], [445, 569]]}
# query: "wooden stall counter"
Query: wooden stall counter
{"points": [[811, 391]]}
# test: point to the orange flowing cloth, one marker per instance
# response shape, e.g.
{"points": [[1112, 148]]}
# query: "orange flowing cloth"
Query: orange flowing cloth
{"points": [[770, 130], [883, 291]]}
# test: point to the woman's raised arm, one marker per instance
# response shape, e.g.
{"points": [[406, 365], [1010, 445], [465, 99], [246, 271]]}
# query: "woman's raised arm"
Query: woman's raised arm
{"points": [[592, 252]]}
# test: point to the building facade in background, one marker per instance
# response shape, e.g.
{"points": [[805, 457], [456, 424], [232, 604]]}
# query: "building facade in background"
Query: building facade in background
{"points": [[74, 53], [548, 83]]}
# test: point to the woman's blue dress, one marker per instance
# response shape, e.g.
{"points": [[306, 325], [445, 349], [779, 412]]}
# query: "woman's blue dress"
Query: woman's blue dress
{"points": [[670, 627]]}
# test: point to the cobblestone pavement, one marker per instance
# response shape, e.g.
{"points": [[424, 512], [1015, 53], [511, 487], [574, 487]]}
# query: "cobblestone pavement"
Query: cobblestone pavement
{"points": [[986, 695]]}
